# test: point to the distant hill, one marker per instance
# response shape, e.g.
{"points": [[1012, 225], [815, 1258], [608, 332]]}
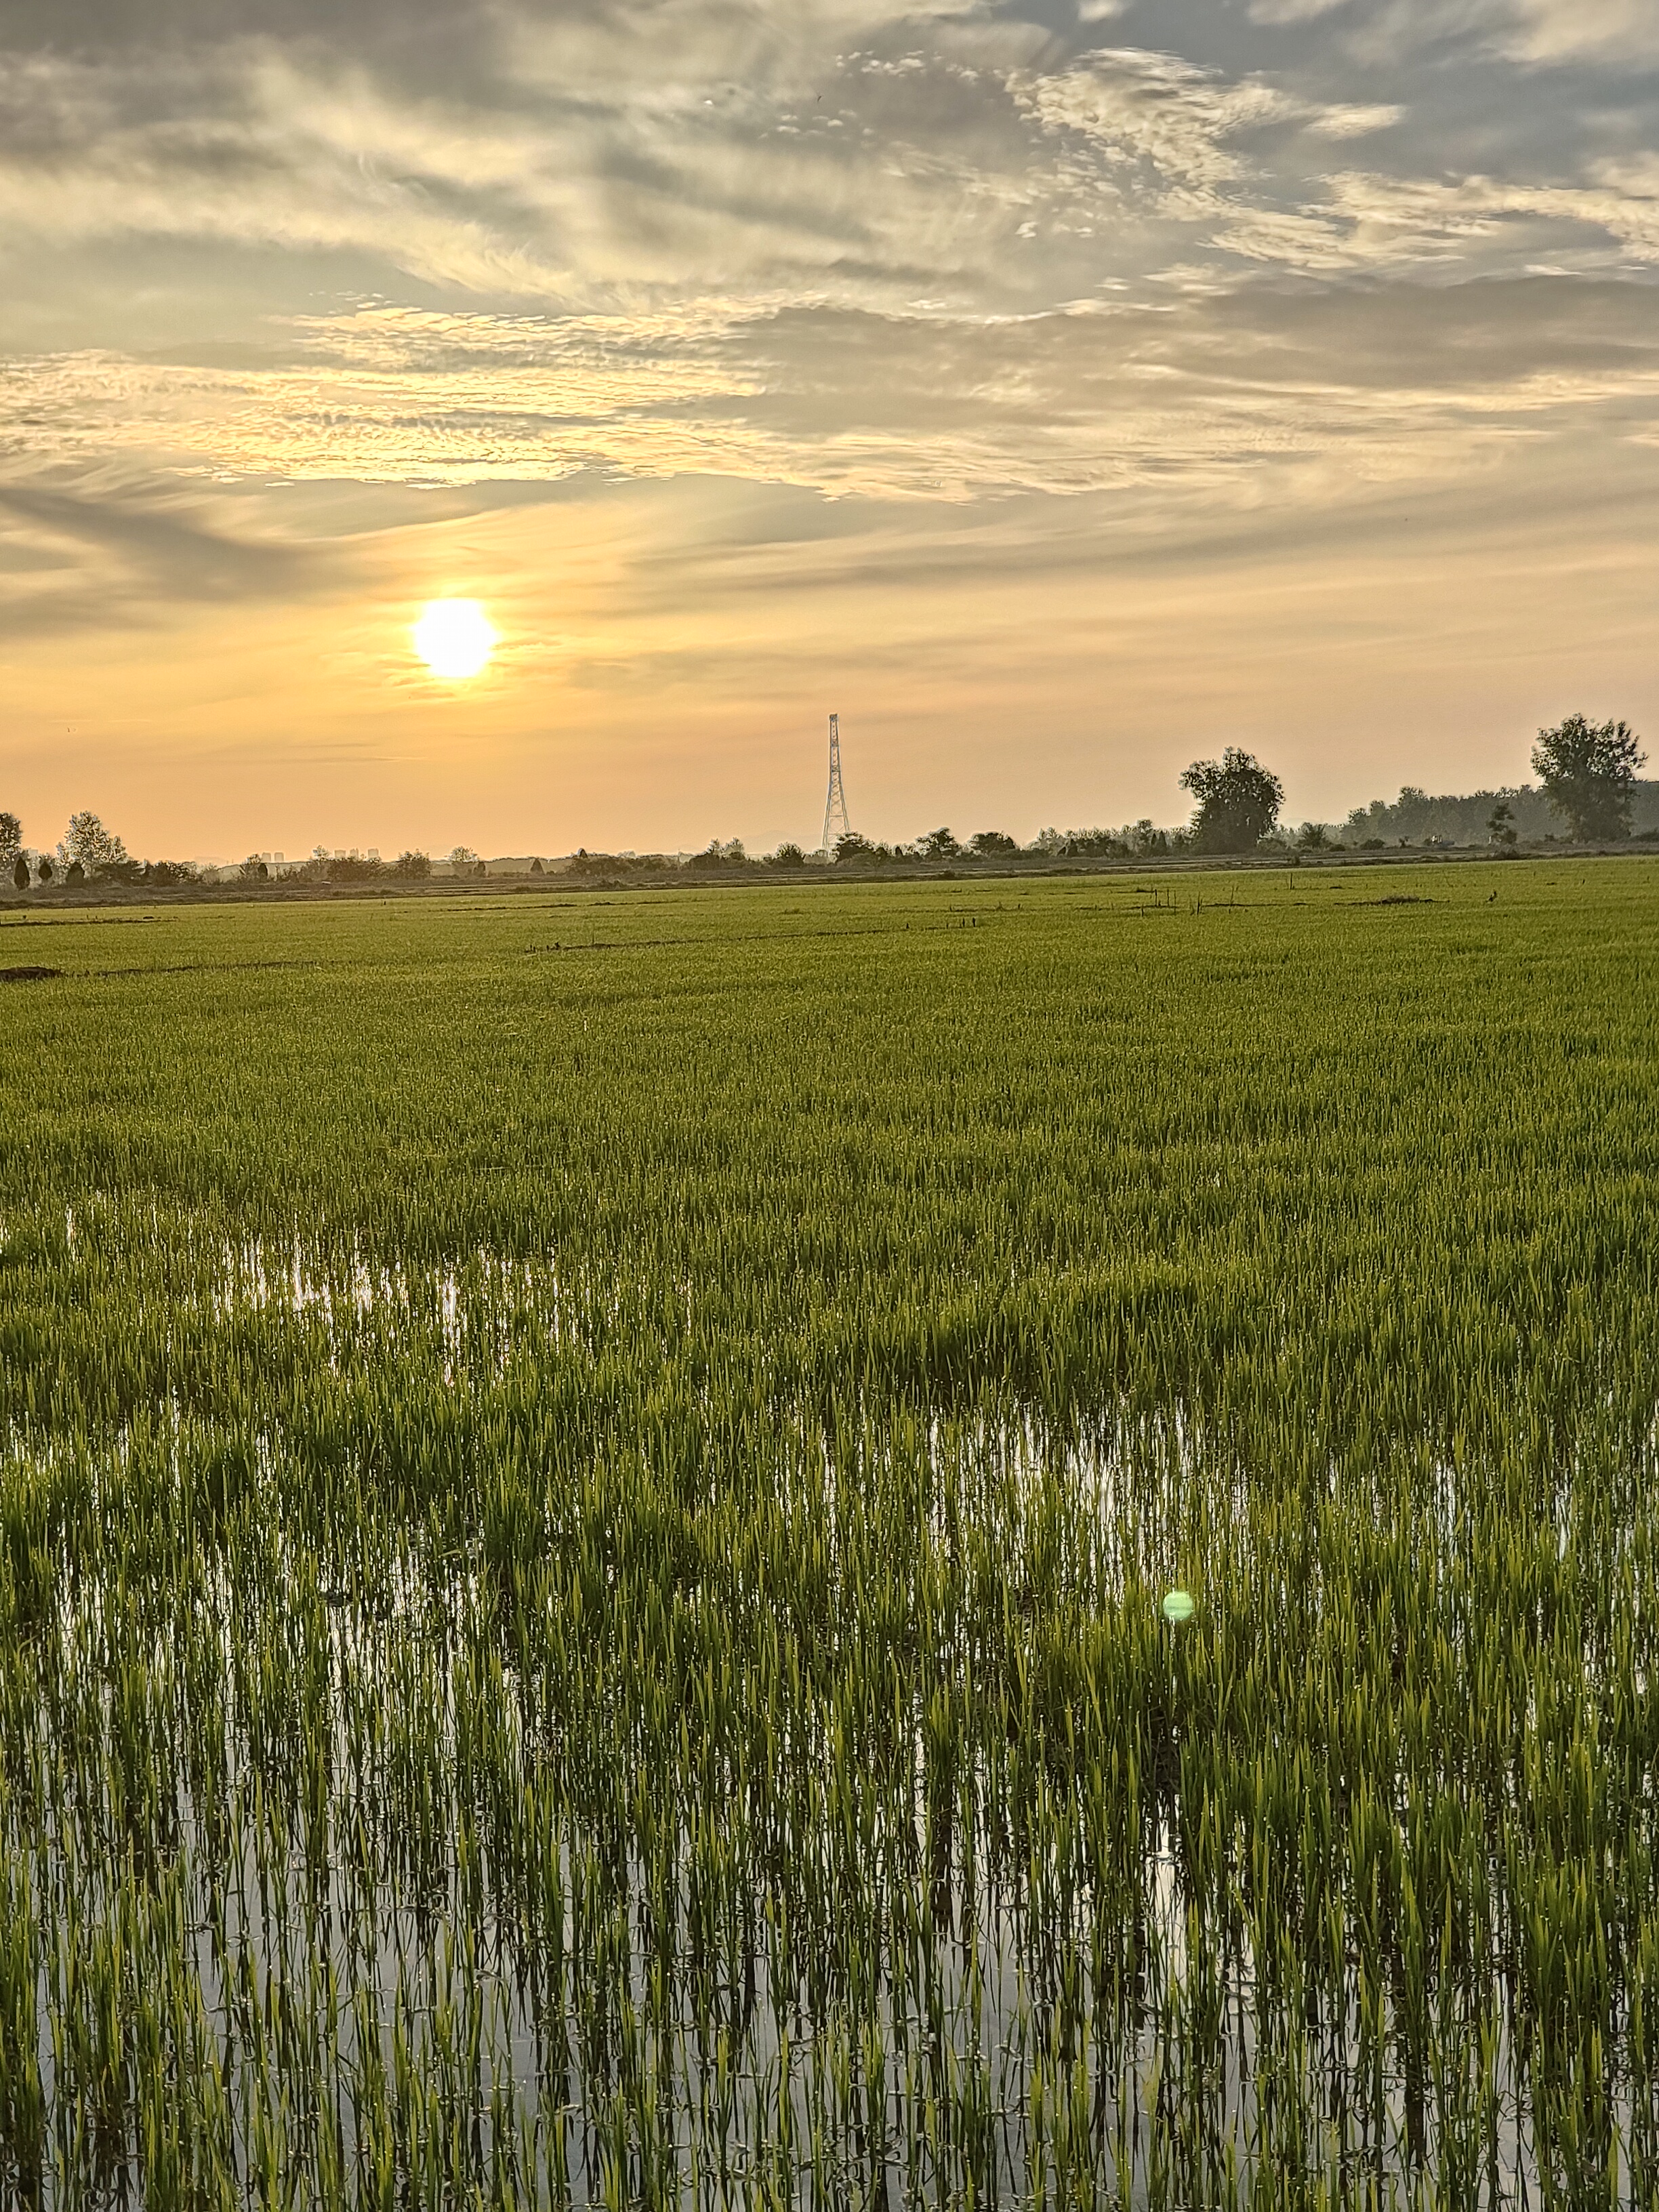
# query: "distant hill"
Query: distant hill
{"points": [[1461, 819]]}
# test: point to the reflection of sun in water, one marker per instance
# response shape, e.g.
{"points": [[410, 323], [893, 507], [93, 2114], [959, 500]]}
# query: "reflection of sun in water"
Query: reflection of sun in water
{"points": [[454, 638]]}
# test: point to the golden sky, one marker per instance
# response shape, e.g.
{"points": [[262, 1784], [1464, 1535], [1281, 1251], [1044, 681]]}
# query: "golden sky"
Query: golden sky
{"points": [[1058, 393]]}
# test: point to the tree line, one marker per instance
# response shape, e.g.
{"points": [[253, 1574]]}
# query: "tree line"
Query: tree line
{"points": [[85, 848], [87, 851], [1587, 787], [1586, 773]]}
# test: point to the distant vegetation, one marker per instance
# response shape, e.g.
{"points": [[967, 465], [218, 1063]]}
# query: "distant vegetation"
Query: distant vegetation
{"points": [[1587, 789], [1421, 817], [1587, 793]]}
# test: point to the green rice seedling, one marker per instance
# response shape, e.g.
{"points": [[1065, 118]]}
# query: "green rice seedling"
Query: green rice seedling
{"points": [[586, 1543]]}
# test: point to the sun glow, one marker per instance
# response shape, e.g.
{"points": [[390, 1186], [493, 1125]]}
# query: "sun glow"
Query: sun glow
{"points": [[454, 638]]}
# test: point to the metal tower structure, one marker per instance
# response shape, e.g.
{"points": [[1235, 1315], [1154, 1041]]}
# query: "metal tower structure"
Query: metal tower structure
{"points": [[836, 822]]}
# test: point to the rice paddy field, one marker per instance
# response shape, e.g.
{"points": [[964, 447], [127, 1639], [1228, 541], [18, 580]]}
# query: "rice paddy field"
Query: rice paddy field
{"points": [[586, 1486]]}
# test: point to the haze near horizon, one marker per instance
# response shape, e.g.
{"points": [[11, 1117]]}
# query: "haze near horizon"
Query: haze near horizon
{"points": [[1059, 393]]}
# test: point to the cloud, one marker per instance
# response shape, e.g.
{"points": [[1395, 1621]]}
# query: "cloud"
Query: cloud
{"points": [[1552, 30], [591, 184], [1213, 397], [1136, 110], [245, 149], [1394, 220], [952, 252], [608, 160], [106, 554], [1359, 122], [1528, 31], [1292, 11]]}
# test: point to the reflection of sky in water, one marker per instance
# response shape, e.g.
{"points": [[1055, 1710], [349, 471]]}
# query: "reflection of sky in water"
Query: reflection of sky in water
{"points": [[409, 1942], [381, 1813]]}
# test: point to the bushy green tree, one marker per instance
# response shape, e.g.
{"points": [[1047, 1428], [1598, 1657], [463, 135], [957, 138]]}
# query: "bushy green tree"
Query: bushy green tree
{"points": [[989, 843], [1587, 770], [1238, 802], [11, 840], [97, 849], [938, 845]]}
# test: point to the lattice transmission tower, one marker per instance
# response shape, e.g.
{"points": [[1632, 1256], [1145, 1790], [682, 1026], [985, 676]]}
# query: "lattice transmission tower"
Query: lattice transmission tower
{"points": [[836, 822]]}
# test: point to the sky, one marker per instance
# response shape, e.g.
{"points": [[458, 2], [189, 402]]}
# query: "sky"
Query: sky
{"points": [[1061, 391]]}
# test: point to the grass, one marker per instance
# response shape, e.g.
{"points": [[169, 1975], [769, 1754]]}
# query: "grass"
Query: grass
{"points": [[585, 1503]]}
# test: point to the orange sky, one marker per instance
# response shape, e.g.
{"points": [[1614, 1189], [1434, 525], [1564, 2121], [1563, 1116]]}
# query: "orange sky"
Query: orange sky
{"points": [[1059, 395]]}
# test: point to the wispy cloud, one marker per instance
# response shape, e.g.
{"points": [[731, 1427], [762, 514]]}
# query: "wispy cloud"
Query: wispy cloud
{"points": [[109, 552], [841, 401], [1551, 29]]}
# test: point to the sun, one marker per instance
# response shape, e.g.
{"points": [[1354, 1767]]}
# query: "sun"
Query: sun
{"points": [[454, 638]]}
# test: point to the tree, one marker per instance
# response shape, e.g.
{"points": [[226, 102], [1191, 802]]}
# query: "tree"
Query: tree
{"points": [[1500, 824], [987, 842], [253, 870], [11, 840], [464, 862], [849, 846], [787, 856], [415, 867], [1238, 802], [938, 845], [535, 867], [75, 873], [1586, 771], [45, 867], [97, 849], [20, 872], [1313, 837], [714, 853]]}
